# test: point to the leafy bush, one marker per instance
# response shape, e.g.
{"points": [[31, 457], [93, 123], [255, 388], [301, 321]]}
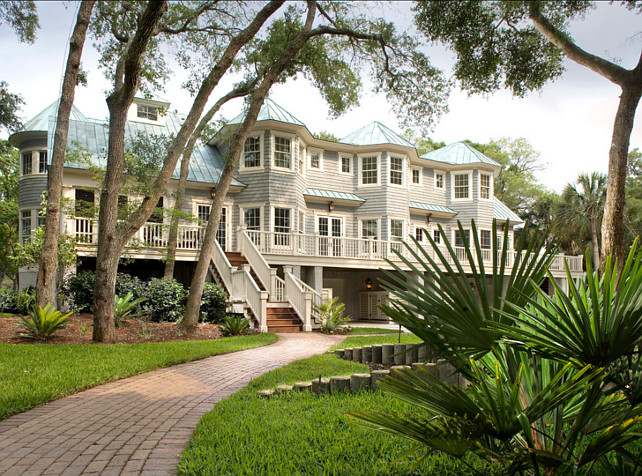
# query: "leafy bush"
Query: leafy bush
{"points": [[125, 307], [235, 326], [25, 300], [79, 289], [331, 315], [213, 303], [165, 300], [41, 323], [8, 300], [126, 284]]}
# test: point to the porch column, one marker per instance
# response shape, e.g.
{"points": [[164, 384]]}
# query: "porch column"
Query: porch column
{"points": [[314, 278]]}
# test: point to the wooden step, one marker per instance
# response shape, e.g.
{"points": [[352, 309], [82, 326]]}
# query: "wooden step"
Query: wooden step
{"points": [[283, 319]]}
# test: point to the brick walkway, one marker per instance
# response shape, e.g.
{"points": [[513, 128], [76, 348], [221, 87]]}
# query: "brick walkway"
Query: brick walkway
{"points": [[137, 425]]}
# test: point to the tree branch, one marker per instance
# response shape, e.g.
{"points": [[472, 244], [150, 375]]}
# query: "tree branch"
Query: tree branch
{"points": [[610, 71]]}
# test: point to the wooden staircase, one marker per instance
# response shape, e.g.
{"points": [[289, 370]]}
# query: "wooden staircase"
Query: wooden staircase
{"points": [[281, 317]]}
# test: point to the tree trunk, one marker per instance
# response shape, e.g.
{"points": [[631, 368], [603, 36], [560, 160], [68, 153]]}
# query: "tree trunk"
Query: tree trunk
{"points": [[113, 237], [48, 266], [192, 308], [110, 241], [613, 221]]}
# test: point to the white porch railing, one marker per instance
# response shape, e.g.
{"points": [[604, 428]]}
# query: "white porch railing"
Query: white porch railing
{"points": [[300, 300], [293, 244], [265, 273], [246, 290]]}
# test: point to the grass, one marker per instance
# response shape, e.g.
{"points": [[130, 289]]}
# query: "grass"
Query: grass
{"points": [[304, 433], [360, 341], [356, 331], [33, 374], [5, 314]]}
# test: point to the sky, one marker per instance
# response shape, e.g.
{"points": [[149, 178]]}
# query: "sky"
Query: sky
{"points": [[570, 122]]}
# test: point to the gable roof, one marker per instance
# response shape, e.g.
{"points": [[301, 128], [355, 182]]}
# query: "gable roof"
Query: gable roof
{"points": [[270, 111], [502, 213], [373, 134], [459, 153]]}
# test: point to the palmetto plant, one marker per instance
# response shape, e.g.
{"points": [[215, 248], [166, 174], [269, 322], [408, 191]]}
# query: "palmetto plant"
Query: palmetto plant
{"points": [[550, 388], [331, 314], [42, 322], [125, 307]]}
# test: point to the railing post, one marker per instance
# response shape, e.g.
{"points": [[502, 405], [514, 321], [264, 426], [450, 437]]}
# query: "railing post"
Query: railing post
{"points": [[263, 312], [307, 319], [272, 284], [370, 247], [316, 244]]}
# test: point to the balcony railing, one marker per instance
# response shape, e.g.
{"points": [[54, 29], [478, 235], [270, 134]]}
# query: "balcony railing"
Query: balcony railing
{"points": [[151, 235], [190, 237]]}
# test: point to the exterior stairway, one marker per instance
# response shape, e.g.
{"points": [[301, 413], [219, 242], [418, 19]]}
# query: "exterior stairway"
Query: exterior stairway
{"points": [[281, 316]]}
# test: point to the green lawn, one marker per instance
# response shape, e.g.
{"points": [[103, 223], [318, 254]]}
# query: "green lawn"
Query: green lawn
{"points": [[360, 341], [304, 433], [371, 330], [34, 374]]}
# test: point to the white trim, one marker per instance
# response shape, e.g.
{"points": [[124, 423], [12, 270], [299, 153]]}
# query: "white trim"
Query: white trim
{"points": [[421, 178], [261, 166], [282, 135], [470, 186], [470, 236], [360, 221], [272, 215], [403, 170], [369, 185], [490, 232], [312, 150], [491, 186], [245, 206], [35, 161], [330, 217], [404, 227], [351, 158], [443, 182], [435, 230], [302, 154]]}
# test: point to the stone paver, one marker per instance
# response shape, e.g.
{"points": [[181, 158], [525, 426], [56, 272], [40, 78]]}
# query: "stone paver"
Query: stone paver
{"points": [[138, 425]]}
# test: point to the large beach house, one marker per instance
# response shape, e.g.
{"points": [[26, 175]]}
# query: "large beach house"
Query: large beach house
{"points": [[304, 219]]}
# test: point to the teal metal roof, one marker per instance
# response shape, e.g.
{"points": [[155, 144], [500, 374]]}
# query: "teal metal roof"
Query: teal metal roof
{"points": [[91, 135], [270, 111], [375, 133], [41, 121], [431, 208], [330, 194], [151, 97], [459, 153], [502, 213]]}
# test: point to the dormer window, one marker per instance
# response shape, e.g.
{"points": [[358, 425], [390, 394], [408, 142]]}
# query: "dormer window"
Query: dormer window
{"points": [[147, 112]]}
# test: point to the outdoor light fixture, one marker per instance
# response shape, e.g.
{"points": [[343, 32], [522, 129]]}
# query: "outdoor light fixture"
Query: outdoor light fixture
{"points": [[213, 192], [330, 206], [428, 217], [368, 283]]}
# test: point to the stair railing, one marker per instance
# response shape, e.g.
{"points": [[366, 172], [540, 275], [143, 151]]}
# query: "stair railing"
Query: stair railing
{"points": [[224, 268], [300, 300], [265, 273], [251, 294]]}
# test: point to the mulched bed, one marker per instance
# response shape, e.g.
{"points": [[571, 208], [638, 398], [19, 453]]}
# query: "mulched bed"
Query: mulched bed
{"points": [[79, 331]]}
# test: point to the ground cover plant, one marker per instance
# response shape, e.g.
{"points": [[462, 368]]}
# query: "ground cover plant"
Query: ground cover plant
{"points": [[305, 433], [34, 374], [554, 380], [360, 341]]}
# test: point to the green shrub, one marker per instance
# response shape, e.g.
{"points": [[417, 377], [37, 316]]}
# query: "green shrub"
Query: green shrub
{"points": [[126, 306], [41, 323], [126, 284], [8, 300], [234, 326], [213, 303], [331, 315], [25, 300], [165, 300], [79, 290]]}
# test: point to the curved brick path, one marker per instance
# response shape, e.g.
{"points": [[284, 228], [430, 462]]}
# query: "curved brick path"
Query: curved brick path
{"points": [[138, 425]]}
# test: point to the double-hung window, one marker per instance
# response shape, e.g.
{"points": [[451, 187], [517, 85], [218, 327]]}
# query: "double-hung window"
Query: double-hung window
{"points": [[419, 234], [203, 213], [282, 227], [416, 176], [461, 189], [436, 236], [26, 226], [26, 163], [459, 238], [369, 231], [439, 180], [345, 164], [370, 170], [396, 230], [42, 162], [252, 218], [396, 170], [252, 152], [484, 187], [485, 239], [315, 159], [282, 152]]}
